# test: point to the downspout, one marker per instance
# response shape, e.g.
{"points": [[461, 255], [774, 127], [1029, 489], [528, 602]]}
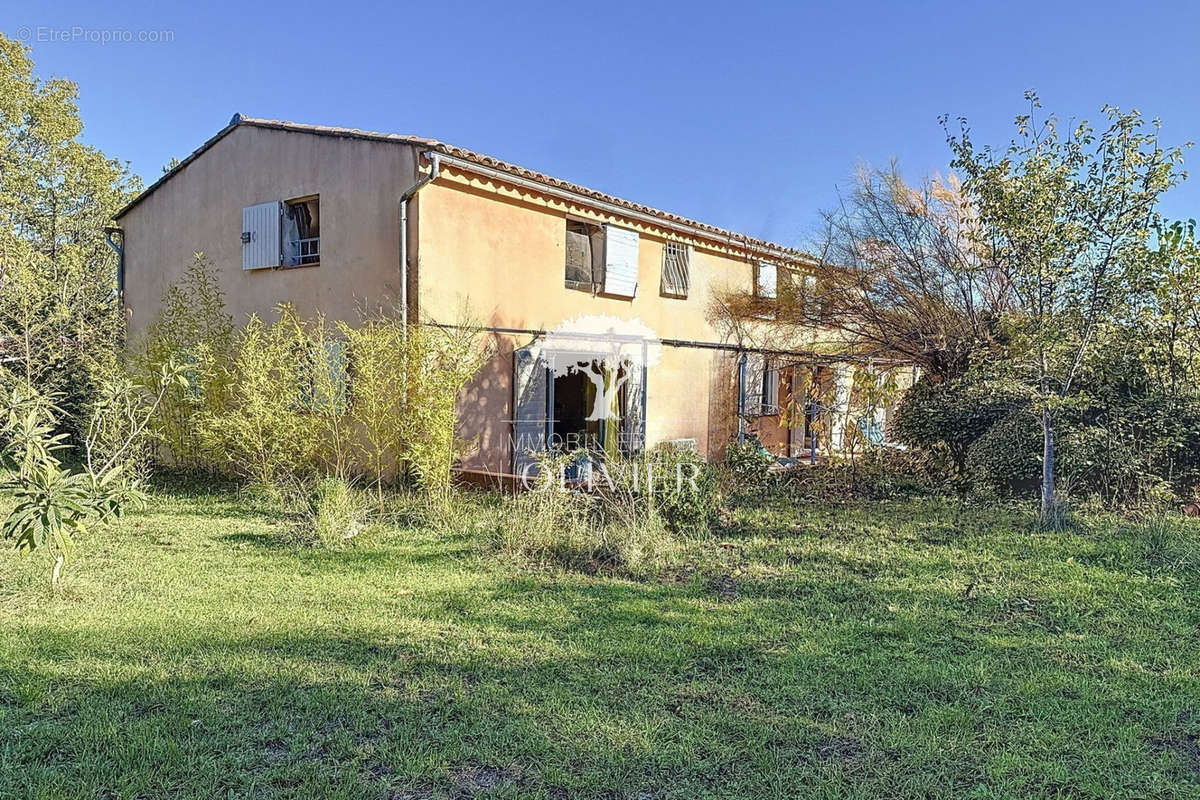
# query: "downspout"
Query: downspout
{"points": [[435, 165], [741, 400], [119, 249]]}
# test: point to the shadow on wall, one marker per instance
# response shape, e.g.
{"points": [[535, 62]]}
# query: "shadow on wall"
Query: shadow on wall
{"points": [[485, 408]]}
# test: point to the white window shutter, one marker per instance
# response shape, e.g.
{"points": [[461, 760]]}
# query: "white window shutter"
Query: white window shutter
{"points": [[620, 261], [766, 282], [260, 235]]}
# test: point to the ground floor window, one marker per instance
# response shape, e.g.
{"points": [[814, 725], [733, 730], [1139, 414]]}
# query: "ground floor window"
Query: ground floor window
{"points": [[589, 403]]}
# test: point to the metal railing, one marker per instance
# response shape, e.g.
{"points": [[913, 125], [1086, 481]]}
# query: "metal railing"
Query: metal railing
{"points": [[307, 251]]}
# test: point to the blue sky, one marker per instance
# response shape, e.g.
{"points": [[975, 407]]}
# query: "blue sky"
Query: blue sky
{"points": [[746, 115]]}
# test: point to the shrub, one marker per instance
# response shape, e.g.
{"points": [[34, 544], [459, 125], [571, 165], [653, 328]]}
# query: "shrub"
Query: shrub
{"points": [[685, 492], [1007, 459], [325, 398], [879, 474], [746, 469], [273, 403], [262, 434], [192, 329], [377, 353], [335, 513], [52, 503], [440, 360], [948, 418]]}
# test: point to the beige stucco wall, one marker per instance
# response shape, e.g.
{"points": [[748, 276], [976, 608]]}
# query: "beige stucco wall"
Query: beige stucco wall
{"points": [[492, 248], [200, 210], [503, 250], [500, 252], [690, 395]]}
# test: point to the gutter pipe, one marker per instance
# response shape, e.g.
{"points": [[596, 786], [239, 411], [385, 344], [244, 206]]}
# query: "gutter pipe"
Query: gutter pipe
{"points": [[435, 167], [119, 249]]}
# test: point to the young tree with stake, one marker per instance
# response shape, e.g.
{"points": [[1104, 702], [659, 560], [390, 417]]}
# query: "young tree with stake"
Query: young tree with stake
{"points": [[1064, 217]]}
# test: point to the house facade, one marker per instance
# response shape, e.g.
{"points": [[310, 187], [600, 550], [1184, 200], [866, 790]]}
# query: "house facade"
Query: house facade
{"points": [[339, 221]]}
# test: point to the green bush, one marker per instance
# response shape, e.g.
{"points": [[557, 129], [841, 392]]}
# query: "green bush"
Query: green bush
{"points": [[1007, 459], [946, 419], [263, 435], [746, 470], [192, 329], [685, 490], [273, 403], [335, 513]]}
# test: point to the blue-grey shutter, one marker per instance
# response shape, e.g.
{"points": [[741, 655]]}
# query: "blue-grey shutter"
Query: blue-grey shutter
{"points": [[337, 363], [260, 235], [633, 418], [621, 261], [530, 394], [770, 389]]}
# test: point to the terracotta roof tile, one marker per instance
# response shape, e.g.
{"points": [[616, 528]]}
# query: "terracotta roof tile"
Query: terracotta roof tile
{"points": [[732, 237]]}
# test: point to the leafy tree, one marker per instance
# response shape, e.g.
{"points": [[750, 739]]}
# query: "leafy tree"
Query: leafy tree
{"points": [[1166, 308], [902, 274], [1064, 218], [52, 502], [378, 354], [194, 329], [59, 314], [439, 362], [262, 432]]}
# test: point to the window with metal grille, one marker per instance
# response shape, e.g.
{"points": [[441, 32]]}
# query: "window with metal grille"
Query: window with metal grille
{"points": [[676, 269]]}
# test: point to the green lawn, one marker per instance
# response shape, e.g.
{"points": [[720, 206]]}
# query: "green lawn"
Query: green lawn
{"points": [[879, 650]]}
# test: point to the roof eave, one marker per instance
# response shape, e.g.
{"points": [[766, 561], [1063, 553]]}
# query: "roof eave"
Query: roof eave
{"points": [[748, 243]]}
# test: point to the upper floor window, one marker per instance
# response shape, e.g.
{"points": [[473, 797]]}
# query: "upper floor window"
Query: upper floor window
{"points": [[585, 256], [602, 259], [302, 232], [676, 269], [282, 233], [765, 282]]}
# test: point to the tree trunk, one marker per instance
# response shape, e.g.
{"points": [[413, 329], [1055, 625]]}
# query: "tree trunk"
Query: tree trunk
{"points": [[56, 572], [1050, 511]]}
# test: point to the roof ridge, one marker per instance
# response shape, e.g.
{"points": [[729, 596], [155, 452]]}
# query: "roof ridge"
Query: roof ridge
{"points": [[732, 237]]}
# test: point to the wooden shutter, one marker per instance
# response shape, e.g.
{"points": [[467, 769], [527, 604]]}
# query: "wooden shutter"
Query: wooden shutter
{"points": [[579, 256], [260, 235], [596, 234], [621, 261]]}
